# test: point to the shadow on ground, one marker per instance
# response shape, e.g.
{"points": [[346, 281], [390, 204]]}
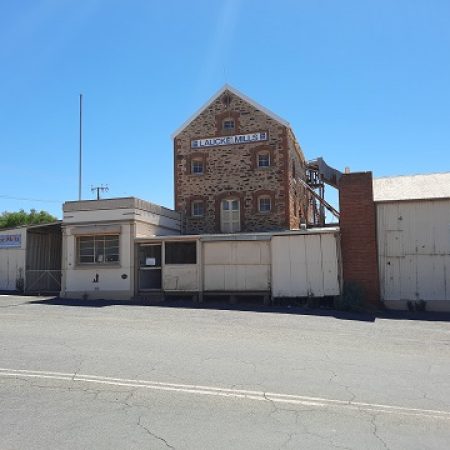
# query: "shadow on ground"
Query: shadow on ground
{"points": [[249, 306]]}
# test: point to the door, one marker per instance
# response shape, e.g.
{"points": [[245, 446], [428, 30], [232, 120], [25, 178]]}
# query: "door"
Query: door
{"points": [[149, 267], [230, 216]]}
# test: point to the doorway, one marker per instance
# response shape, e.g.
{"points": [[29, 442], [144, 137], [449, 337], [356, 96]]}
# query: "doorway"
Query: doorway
{"points": [[230, 216], [150, 267]]}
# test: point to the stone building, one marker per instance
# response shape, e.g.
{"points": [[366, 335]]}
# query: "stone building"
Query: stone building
{"points": [[237, 169]]}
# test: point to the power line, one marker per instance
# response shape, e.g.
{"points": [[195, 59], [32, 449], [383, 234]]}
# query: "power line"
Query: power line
{"points": [[7, 197]]}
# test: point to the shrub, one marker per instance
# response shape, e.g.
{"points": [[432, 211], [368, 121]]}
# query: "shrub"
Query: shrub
{"points": [[352, 298]]}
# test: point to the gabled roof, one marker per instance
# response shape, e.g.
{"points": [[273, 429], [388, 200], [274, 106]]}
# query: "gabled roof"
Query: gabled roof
{"points": [[412, 187], [234, 91]]}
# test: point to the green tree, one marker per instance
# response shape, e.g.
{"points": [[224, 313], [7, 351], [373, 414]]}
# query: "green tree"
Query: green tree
{"points": [[14, 219]]}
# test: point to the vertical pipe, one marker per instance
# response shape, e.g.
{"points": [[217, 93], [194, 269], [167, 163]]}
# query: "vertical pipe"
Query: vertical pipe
{"points": [[81, 147]]}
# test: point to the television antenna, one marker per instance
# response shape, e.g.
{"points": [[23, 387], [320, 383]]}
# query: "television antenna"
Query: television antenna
{"points": [[98, 189]]}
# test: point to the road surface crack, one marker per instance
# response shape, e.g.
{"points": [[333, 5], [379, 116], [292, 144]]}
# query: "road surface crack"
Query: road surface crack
{"points": [[375, 430], [153, 435]]}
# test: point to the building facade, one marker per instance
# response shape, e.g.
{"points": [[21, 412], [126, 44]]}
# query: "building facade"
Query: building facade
{"points": [[413, 237], [237, 168], [98, 245]]}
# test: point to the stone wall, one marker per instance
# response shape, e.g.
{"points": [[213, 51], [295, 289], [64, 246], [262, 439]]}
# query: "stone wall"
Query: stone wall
{"points": [[231, 171]]}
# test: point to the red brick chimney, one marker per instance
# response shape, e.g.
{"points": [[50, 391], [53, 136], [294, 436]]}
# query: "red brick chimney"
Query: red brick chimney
{"points": [[359, 236]]}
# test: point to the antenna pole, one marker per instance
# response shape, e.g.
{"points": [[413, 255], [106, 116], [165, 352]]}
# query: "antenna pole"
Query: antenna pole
{"points": [[81, 147]]}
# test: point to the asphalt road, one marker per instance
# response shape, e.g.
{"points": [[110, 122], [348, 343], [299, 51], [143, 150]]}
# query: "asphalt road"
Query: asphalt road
{"points": [[137, 377]]}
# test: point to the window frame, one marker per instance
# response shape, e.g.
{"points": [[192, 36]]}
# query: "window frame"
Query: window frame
{"points": [[265, 153], [193, 203], [200, 161], [228, 120], [192, 257], [101, 240], [264, 197]]}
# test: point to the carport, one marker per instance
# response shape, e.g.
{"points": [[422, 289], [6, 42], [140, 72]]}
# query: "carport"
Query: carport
{"points": [[43, 258]]}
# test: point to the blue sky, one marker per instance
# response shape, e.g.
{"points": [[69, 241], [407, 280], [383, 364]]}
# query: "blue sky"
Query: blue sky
{"points": [[365, 84]]}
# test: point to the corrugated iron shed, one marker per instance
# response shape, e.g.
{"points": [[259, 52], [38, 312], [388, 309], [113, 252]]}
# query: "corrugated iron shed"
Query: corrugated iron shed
{"points": [[412, 187]]}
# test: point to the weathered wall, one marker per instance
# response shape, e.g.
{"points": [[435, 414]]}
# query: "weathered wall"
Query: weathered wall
{"points": [[306, 265], [414, 253], [358, 234], [115, 280], [12, 261], [298, 207], [231, 266], [231, 171]]}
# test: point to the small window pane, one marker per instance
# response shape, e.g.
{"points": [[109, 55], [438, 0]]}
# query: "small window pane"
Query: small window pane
{"points": [[150, 253], [235, 205], [264, 204], [197, 166], [228, 124], [198, 208], [98, 249], [263, 160], [181, 253]]}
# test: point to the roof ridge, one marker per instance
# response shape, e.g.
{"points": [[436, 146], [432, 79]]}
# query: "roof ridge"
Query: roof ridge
{"points": [[412, 175], [228, 87]]}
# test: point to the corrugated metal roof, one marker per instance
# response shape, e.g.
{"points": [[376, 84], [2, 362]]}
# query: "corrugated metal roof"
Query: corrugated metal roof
{"points": [[412, 187]]}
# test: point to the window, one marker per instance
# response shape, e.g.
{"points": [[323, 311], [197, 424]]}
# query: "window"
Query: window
{"points": [[181, 252], [198, 208], [263, 160], [228, 124], [264, 204], [230, 216], [197, 166], [98, 249], [293, 169]]}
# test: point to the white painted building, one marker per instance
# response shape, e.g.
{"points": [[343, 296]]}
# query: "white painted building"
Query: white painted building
{"points": [[413, 229], [304, 263], [30, 258], [12, 258], [98, 257]]}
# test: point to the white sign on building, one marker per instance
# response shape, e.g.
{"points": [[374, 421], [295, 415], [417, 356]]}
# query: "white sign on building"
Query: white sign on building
{"points": [[10, 240], [230, 140]]}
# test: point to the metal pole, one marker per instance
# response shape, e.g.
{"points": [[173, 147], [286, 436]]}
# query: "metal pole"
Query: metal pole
{"points": [[81, 147]]}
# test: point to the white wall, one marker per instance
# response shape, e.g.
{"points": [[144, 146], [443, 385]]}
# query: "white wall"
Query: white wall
{"points": [[79, 279], [414, 252], [306, 265], [180, 277], [236, 265], [157, 225], [12, 261]]}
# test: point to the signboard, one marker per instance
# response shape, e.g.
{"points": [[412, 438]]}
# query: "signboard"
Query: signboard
{"points": [[230, 140], [10, 240]]}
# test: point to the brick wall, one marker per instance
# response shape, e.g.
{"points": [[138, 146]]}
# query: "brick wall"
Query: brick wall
{"points": [[358, 234], [231, 171]]}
